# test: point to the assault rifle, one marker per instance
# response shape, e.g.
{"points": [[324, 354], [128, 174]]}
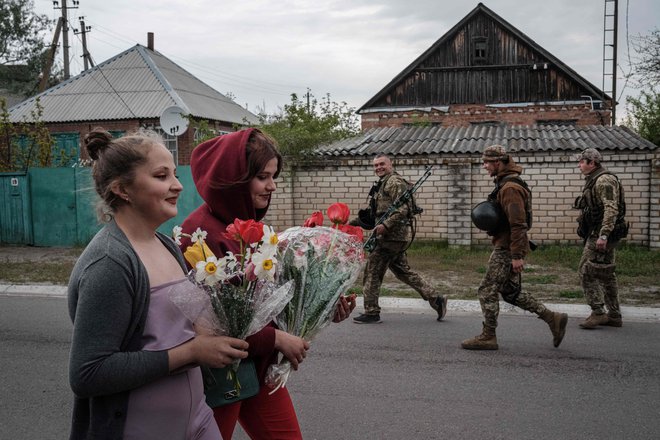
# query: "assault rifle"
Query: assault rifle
{"points": [[404, 198]]}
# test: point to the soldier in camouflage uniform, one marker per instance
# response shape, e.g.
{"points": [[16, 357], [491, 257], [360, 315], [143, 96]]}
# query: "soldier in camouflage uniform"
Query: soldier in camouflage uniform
{"points": [[393, 238], [601, 224], [507, 259]]}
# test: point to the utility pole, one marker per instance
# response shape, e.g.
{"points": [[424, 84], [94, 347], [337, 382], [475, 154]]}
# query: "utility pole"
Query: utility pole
{"points": [[87, 58], [45, 74], [65, 33], [610, 36]]}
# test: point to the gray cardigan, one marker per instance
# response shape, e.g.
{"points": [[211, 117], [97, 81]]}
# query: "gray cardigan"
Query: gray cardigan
{"points": [[108, 304]]}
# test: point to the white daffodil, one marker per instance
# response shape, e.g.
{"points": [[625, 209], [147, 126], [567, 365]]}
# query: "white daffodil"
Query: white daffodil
{"points": [[230, 261], [198, 235], [247, 257], [209, 271], [264, 265], [177, 231], [269, 238]]}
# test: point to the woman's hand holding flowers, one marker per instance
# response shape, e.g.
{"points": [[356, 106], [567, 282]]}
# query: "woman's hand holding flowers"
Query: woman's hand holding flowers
{"points": [[345, 306], [212, 351], [292, 347]]}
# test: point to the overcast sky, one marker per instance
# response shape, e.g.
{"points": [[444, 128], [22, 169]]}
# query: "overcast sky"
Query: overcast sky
{"points": [[261, 51]]}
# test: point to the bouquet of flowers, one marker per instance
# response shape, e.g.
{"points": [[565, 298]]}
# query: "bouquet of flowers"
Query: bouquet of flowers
{"points": [[323, 263], [236, 295]]}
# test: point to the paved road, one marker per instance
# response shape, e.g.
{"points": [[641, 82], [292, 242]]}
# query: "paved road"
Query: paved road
{"points": [[405, 378]]}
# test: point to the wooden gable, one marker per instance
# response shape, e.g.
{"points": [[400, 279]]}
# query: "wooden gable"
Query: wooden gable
{"points": [[484, 60]]}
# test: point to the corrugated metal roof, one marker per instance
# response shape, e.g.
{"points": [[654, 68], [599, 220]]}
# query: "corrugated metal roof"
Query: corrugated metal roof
{"points": [[471, 140], [137, 83]]}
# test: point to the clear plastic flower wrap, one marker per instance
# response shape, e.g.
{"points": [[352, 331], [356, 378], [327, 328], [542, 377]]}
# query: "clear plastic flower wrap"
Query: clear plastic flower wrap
{"points": [[323, 263], [235, 295], [230, 310]]}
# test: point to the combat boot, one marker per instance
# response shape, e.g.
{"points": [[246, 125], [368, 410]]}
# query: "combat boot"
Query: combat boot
{"points": [[594, 320], [557, 323], [613, 321], [439, 304], [485, 341]]}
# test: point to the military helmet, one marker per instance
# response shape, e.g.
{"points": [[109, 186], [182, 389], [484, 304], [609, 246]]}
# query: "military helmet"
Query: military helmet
{"points": [[488, 216], [366, 219]]}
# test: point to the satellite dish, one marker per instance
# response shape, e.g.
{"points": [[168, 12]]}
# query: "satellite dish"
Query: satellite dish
{"points": [[172, 121]]}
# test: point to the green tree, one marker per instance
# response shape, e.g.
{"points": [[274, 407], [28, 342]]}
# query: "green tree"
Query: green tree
{"points": [[28, 143], [23, 49], [646, 69], [202, 127], [305, 124], [644, 110], [644, 115], [8, 136]]}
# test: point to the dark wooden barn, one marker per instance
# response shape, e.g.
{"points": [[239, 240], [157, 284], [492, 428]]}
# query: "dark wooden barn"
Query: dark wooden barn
{"points": [[485, 71]]}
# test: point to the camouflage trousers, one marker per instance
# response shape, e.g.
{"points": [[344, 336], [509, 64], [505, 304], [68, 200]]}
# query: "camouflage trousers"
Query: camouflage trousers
{"points": [[598, 278], [390, 255], [499, 279]]}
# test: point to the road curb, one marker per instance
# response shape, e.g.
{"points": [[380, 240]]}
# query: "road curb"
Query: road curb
{"points": [[389, 304], [457, 307], [48, 290]]}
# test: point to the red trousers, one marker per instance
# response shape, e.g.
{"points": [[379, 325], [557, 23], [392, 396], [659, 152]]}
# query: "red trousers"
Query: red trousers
{"points": [[261, 416]]}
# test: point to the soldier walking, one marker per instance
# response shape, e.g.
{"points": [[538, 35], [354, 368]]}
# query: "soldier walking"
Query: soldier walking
{"points": [[507, 260], [393, 237], [602, 225]]}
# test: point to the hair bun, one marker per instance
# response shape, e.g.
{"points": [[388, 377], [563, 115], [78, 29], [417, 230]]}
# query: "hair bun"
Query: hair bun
{"points": [[96, 141]]}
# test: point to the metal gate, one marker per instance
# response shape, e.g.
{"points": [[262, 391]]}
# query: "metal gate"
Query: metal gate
{"points": [[15, 215]]}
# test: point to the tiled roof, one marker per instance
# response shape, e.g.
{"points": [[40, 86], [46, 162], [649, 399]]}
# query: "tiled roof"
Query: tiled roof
{"points": [[136, 84], [471, 140]]}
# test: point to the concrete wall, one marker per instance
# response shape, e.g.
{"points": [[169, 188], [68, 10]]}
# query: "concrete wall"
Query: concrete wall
{"points": [[458, 183]]}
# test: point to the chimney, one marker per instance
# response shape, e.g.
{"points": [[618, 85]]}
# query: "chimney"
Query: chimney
{"points": [[150, 41]]}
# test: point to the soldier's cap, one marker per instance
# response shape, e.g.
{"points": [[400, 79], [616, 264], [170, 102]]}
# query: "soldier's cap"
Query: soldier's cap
{"points": [[494, 153], [590, 154]]}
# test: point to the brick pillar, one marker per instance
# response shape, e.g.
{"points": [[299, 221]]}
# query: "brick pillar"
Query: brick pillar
{"points": [[654, 204], [281, 212], [459, 204]]}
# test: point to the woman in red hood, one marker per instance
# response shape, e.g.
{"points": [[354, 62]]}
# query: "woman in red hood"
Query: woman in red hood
{"points": [[235, 175]]}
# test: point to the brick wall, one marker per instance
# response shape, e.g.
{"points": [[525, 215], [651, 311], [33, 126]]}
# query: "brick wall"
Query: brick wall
{"points": [[464, 115], [186, 141], [459, 182]]}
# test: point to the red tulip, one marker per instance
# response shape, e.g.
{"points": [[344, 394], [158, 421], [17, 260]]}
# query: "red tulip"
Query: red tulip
{"points": [[316, 219], [338, 213], [232, 233], [355, 231], [246, 231]]}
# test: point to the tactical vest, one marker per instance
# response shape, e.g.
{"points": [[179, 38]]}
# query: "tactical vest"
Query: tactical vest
{"points": [[492, 197], [413, 208], [591, 218]]}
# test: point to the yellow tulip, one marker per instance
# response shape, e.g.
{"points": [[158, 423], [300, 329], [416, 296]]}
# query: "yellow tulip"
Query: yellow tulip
{"points": [[197, 252]]}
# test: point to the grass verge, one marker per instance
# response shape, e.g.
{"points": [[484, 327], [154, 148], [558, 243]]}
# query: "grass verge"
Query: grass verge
{"points": [[550, 271]]}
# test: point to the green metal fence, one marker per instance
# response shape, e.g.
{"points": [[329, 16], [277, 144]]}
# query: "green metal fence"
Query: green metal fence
{"points": [[15, 216], [57, 206]]}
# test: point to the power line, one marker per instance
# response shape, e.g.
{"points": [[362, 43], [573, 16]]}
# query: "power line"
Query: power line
{"points": [[230, 80], [252, 84], [626, 76]]}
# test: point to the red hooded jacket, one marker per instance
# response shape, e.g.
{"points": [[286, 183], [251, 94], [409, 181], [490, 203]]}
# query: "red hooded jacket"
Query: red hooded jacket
{"points": [[215, 165]]}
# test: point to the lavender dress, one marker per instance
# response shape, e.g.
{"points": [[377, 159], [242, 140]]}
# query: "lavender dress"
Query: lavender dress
{"points": [[172, 407]]}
